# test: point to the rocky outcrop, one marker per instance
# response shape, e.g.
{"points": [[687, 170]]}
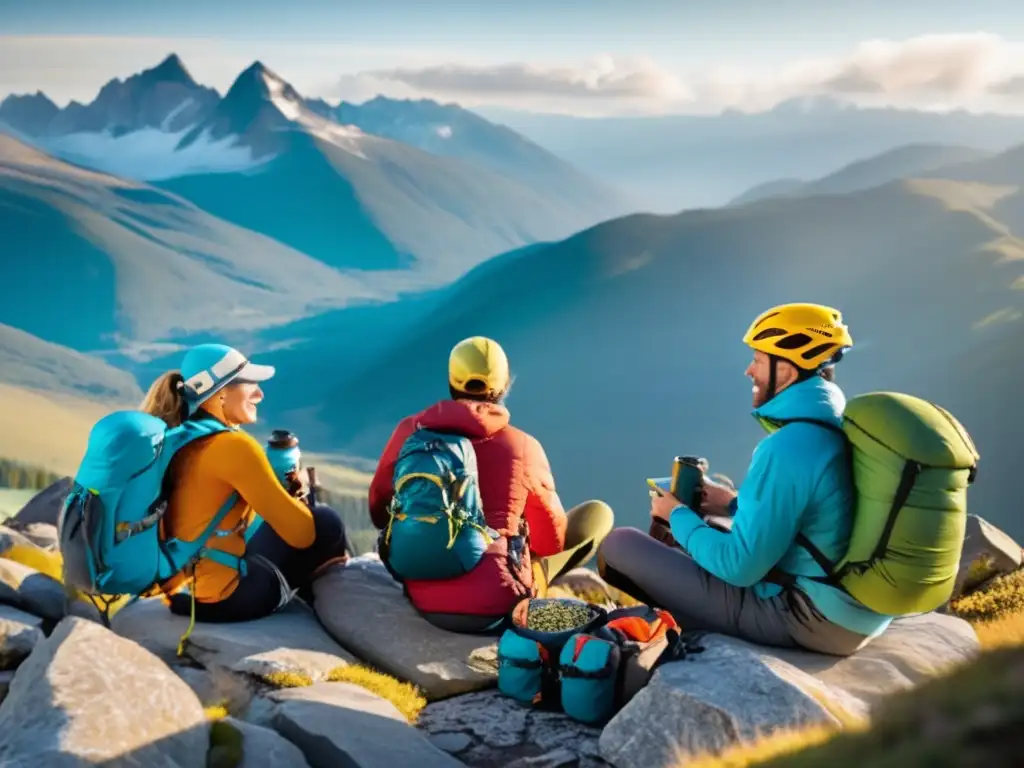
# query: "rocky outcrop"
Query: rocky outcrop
{"points": [[733, 690], [86, 695], [62, 692], [488, 729], [365, 610], [341, 724], [291, 640]]}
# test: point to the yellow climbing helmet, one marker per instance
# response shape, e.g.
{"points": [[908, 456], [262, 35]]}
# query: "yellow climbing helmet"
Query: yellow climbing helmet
{"points": [[807, 335], [478, 366]]}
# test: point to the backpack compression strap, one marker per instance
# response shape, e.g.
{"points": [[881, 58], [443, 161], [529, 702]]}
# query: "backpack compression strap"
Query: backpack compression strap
{"points": [[911, 471]]}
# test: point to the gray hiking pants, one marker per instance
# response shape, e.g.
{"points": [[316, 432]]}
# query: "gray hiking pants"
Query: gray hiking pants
{"points": [[665, 576]]}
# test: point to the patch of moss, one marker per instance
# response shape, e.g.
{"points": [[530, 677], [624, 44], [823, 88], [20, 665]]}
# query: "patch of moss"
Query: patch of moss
{"points": [[216, 711], [226, 746], [406, 697], [287, 679], [1001, 597]]}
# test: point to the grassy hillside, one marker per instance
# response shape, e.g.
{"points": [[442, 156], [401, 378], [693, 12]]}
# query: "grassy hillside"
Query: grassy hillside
{"points": [[127, 262], [625, 339]]}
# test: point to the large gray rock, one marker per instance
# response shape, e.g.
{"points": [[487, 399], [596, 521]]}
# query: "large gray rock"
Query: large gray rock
{"points": [[364, 608], [290, 640], [87, 696], [30, 590], [20, 632], [266, 748], [343, 725], [734, 690], [488, 729], [987, 553], [45, 506]]}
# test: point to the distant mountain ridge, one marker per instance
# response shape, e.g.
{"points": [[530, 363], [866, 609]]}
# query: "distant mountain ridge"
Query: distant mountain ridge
{"points": [[379, 196], [168, 101], [899, 163]]}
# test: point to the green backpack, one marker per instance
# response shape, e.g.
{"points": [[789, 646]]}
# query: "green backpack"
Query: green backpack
{"points": [[912, 463]]}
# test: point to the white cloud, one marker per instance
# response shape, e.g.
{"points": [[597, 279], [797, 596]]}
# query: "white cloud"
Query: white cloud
{"points": [[981, 71], [975, 71]]}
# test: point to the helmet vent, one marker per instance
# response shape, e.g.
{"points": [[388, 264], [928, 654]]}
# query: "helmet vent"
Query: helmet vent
{"points": [[795, 341], [770, 333], [815, 351]]}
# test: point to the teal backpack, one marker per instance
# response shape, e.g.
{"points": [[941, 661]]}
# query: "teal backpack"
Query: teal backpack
{"points": [[591, 671], [108, 527], [436, 527]]}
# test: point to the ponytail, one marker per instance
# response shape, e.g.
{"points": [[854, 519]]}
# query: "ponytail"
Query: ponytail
{"points": [[165, 399]]}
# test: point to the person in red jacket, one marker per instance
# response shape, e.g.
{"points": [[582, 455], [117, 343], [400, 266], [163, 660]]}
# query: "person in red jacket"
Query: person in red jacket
{"points": [[540, 540]]}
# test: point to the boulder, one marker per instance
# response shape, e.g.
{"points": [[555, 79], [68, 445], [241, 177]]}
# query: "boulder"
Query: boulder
{"points": [[733, 690], [290, 640], [45, 506], [339, 724], [31, 591], [987, 553], [20, 632], [488, 729], [87, 696], [266, 748], [365, 610]]}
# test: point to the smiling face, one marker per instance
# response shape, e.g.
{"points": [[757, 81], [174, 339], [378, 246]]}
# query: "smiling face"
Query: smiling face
{"points": [[759, 372], [236, 404]]}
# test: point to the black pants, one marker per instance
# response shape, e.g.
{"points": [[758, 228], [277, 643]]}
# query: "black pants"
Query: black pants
{"points": [[259, 592]]}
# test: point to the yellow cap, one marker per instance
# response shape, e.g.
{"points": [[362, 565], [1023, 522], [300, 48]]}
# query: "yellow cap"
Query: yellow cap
{"points": [[808, 335], [478, 366]]}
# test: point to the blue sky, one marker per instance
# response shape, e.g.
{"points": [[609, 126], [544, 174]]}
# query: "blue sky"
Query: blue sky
{"points": [[597, 55]]}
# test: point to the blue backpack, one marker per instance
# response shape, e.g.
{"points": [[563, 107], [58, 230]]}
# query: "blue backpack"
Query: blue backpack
{"points": [[436, 527], [108, 528]]}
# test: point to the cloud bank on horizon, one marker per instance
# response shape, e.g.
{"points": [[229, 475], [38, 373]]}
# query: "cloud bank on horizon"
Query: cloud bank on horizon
{"points": [[974, 71], [978, 71]]}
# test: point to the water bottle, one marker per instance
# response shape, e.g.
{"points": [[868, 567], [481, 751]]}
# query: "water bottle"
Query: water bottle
{"points": [[284, 454], [688, 480]]}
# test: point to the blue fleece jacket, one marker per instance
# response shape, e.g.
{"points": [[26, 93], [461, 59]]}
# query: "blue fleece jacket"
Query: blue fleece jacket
{"points": [[798, 482]]}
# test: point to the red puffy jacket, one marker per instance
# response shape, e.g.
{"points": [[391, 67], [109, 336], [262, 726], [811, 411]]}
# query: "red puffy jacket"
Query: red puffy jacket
{"points": [[515, 483]]}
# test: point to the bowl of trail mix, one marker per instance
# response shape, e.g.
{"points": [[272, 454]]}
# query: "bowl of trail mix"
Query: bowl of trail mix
{"points": [[553, 620]]}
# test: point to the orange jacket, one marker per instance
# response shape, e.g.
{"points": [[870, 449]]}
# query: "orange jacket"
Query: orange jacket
{"points": [[515, 484], [204, 474]]}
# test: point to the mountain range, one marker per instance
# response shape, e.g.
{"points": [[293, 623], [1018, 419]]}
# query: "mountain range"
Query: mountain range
{"points": [[265, 158], [625, 338], [351, 246], [672, 162]]}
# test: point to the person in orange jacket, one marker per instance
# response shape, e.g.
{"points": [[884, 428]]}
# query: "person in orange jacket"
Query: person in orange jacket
{"points": [[539, 540], [295, 542]]}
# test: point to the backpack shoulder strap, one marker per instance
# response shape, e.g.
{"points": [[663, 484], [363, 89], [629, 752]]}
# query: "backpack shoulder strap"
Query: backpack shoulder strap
{"points": [[819, 557]]}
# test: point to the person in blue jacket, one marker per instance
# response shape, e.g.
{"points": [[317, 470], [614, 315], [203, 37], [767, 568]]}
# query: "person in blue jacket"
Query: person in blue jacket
{"points": [[757, 581]]}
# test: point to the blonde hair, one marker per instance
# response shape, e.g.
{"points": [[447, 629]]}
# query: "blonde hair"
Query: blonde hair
{"points": [[164, 399]]}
